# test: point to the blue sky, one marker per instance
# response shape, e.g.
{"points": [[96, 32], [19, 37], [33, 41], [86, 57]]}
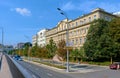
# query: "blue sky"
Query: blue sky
{"points": [[21, 19]]}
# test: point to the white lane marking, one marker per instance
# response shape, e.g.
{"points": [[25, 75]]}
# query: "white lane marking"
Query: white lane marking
{"points": [[49, 74], [33, 76]]}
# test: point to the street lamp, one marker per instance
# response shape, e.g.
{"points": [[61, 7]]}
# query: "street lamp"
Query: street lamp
{"points": [[67, 37], [28, 46], [2, 38]]}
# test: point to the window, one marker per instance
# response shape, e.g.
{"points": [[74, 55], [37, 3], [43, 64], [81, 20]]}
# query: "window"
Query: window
{"points": [[107, 18], [72, 24], [94, 16], [81, 22], [77, 32], [80, 31], [84, 20], [89, 19], [80, 40], [76, 41], [73, 42], [76, 24], [74, 32]]}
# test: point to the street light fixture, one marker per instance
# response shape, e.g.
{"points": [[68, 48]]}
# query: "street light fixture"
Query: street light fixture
{"points": [[67, 37]]}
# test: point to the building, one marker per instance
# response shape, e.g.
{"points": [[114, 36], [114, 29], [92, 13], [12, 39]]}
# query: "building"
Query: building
{"points": [[78, 28], [8, 48], [34, 40], [40, 38], [20, 45]]}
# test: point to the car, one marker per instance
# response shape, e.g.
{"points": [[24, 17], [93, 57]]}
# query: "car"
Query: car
{"points": [[115, 65], [17, 57]]}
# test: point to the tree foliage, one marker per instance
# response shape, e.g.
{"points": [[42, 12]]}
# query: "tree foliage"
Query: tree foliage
{"points": [[51, 48], [61, 51], [103, 40]]}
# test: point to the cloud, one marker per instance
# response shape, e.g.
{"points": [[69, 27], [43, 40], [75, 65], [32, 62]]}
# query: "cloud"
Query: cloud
{"points": [[23, 11], [68, 6], [82, 6], [87, 6]]}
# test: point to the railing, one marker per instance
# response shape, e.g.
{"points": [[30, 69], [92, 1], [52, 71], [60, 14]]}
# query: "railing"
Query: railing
{"points": [[11, 69]]}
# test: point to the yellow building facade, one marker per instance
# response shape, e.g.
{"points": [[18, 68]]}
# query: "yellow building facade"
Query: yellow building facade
{"points": [[77, 28]]}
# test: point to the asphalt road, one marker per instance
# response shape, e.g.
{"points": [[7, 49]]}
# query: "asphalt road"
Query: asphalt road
{"points": [[41, 72]]}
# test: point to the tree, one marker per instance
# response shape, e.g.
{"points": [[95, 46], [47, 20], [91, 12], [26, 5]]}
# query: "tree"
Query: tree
{"points": [[82, 54], [103, 40], [114, 33], [51, 48], [92, 47], [61, 51], [34, 50]]}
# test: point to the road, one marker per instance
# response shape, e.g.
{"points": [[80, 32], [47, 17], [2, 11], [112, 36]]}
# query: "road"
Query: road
{"points": [[41, 72]]}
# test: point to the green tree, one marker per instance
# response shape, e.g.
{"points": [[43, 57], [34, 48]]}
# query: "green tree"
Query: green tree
{"points": [[103, 40], [51, 48], [114, 33], [92, 45], [82, 54], [34, 50]]}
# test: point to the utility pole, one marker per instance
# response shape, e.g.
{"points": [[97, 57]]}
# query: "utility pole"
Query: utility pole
{"points": [[67, 37]]}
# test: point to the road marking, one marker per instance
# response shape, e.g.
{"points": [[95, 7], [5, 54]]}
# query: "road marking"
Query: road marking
{"points": [[34, 76], [49, 74]]}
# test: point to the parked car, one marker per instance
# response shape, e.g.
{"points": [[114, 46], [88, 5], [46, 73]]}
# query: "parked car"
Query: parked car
{"points": [[115, 65], [17, 57]]}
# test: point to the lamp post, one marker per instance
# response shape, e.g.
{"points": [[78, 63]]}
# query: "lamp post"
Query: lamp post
{"points": [[2, 38], [28, 46], [67, 37]]}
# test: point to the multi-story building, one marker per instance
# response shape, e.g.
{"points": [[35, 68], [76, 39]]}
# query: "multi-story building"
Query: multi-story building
{"points": [[77, 28], [20, 45], [41, 38], [34, 40], [8, 48]]}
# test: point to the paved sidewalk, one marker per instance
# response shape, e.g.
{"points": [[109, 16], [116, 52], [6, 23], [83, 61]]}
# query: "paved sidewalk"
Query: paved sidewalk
{"points": [[5, 70]]}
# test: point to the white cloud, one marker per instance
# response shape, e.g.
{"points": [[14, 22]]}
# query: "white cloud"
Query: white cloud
{"points": [[23, 11], [87, 6], [68, 6]]}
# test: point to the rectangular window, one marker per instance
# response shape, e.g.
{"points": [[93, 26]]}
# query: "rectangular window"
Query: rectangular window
{"points": [[76, 24], [81, 22], [80, 40], [84, 20], [89, 19], [76, 41], [94, 16], [72, 24], [73, 42]]}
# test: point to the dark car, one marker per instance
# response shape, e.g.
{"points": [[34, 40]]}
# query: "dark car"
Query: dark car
{"points": [[17, 57], [115, 65]]}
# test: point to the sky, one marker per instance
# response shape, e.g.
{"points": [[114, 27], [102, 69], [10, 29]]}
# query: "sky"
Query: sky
{"points": [[21, 19]]}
